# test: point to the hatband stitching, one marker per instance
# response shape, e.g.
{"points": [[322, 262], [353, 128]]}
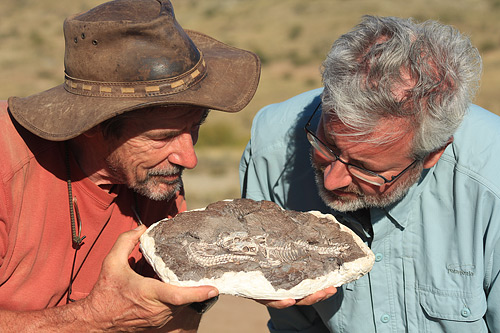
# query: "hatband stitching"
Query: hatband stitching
{"points": [[139, 88]]}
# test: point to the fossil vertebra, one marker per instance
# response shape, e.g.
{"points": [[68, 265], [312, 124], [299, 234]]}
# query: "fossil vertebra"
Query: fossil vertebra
{"points": [[238, 247]]}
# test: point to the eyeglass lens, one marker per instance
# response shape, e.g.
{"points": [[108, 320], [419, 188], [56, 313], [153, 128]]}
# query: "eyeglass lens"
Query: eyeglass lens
{"points": [[364, 175]]}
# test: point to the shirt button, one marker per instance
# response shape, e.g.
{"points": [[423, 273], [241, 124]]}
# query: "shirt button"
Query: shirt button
{"points": [[465, 312], [378, 257], [385, 318]]}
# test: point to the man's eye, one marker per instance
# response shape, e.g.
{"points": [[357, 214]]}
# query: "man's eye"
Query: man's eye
{"points": [[322, 157], [163, 137], [334, 148]]}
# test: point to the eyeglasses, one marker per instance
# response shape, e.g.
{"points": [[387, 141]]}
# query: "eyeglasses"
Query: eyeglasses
{"points": [[358, 172]]}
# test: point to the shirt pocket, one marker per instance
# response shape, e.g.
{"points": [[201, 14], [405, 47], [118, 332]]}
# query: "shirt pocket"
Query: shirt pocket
{"points": [[453, 311]]}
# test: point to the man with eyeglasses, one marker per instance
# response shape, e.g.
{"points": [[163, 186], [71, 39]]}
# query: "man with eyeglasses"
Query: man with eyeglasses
{"points": [[393, 147]]}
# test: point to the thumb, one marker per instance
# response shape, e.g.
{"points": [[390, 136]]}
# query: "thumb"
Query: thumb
{"points": [[177, 295], [126, 243]]}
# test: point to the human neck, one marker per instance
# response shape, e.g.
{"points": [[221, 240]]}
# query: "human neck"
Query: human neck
{"points": [[90, 155]]}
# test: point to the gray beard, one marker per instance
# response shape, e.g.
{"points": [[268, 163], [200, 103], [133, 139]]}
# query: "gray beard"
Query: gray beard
{"points": [[400, 189], [144, 187]]}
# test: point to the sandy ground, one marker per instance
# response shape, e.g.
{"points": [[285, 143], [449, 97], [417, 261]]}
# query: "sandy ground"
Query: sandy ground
{"points": [[235, 314]]}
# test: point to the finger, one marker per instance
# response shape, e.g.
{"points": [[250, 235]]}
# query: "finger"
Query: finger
{"points": [[308, 300], [176, 295], [124, 245], [128, 240], [318, 296], [277, 304]]}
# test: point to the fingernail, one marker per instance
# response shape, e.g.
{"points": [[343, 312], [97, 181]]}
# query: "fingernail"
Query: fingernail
{"points": [[212, 293]]}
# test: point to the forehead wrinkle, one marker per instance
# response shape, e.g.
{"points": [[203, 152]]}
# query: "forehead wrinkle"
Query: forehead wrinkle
{"points": [[388, 130], [384, 137]]}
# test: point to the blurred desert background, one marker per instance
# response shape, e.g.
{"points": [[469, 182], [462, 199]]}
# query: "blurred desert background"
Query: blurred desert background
{"points": [[291, 37]]}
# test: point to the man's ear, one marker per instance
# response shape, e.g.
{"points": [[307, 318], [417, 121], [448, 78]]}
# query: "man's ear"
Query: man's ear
{"points": [[434, 157]]}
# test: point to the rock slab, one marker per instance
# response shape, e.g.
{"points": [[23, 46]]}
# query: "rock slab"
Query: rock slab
{"points": [[255, 249]]}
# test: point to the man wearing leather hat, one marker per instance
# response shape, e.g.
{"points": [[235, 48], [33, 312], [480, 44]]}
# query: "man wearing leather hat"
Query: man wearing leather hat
{"points": [[86, 162]]}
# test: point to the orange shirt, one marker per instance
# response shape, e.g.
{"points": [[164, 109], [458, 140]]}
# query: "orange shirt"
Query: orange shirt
{"points": [[36, 253]]}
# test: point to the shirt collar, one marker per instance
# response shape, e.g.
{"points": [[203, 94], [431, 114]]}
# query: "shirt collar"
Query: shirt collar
{"points": [[399, 212]]}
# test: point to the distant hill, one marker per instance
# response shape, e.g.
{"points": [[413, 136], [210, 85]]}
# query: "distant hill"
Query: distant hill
{"points": [[291, 37]]}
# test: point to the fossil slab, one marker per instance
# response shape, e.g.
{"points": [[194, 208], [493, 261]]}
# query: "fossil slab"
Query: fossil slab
{"points": [[255, 249]]}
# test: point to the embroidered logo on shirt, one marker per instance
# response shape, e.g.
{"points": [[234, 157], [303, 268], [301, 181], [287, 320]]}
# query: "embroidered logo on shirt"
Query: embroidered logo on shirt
{"points": [[464, 270]]}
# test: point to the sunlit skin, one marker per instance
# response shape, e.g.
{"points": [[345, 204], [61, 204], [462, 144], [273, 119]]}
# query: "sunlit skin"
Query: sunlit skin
{"points": [[150, 155], [155, 151], [343, 192]]}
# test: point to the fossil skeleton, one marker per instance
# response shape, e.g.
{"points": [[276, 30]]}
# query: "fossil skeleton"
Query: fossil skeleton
{"points": [[255, 249], [238, 247]]}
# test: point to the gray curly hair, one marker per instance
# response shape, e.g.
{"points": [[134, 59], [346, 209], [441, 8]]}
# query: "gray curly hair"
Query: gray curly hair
{"points": [[389, 68]]}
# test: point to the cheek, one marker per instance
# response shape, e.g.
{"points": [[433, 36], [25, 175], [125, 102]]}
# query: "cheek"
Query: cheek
{"points": [[155, 154], [140, 155], [373, 190], [369, 190], [150, 156]]}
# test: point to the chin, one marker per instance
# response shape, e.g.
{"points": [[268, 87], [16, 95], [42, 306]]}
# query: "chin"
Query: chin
{"points": [[339, 204], [159, 196], [362, 202], [158, 192]]}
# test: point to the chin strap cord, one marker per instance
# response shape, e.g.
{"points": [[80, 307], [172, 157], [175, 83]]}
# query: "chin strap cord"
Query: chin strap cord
{"points": [[73, 206]]}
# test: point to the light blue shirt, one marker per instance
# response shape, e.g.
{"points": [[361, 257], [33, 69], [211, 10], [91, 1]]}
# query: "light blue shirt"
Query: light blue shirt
{"points": [[437, 250]]}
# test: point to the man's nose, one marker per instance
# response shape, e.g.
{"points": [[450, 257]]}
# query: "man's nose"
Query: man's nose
{"points": [[336, 175], [183, 153]]}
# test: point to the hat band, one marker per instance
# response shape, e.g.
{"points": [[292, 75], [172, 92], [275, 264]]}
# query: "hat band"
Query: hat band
{"points": [[139, 88]]}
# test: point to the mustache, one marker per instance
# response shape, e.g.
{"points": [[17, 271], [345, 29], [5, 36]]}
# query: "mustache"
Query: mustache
{"points": [[166, 172], [173, 171], [351, 188]]}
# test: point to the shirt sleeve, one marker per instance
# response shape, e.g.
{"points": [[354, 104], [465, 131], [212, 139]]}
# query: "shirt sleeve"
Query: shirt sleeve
{"points": [[3, 241], [263, 161], [4, 234], [302, 319], [250, 185], [493, 293]]}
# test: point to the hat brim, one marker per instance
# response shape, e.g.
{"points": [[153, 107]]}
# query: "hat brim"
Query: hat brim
{"points": [[229, 85]]}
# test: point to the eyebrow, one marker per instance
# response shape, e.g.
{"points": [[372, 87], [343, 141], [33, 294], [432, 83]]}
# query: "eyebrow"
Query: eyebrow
{"points": [[173, 132], [203, 117], [329, 141]]}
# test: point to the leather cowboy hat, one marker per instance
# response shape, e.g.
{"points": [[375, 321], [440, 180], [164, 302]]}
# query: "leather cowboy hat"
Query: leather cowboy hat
{"points": [[129, 54]]}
